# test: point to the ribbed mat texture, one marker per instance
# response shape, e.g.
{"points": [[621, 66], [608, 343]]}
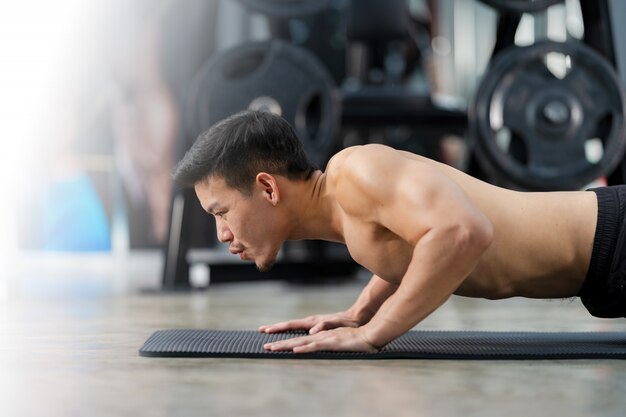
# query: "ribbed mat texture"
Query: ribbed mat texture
{"points": [[412, 345]]}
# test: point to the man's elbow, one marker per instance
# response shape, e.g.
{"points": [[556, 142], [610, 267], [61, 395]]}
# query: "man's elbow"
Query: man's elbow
{"points": [[475, 236]]}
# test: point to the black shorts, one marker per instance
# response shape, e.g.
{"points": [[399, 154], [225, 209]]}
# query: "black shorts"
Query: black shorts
{"points": [[604, 291]]}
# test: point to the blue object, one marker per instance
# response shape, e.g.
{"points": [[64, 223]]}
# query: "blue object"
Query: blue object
{"points": [[73, 217]]}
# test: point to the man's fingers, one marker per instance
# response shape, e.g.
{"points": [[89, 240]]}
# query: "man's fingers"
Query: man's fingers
{"points": [[312, 347], [330, 324], [302, 324], [316, 328], [326, 341], [268, 327], [272, 328], [309, 347], [342, 339], [324, 325], [288, 344], [275, 328], [312, 324], [303, 344]]}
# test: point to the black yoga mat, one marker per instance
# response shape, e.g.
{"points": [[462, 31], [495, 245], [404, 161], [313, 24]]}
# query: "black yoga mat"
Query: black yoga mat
{"points": [[412, 345]]}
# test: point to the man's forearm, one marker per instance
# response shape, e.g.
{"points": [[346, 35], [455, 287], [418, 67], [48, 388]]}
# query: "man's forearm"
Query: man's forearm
{"points": [[372, 297]]}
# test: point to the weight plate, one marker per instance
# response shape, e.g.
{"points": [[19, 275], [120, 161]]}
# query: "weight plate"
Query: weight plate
{"points": [[286, 9], [542, 129], [269, 76], [521, 6]]}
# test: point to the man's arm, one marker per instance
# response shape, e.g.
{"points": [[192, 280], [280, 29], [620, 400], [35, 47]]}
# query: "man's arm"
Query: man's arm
{"points": [[441, 261], [371, 298], [429, 211], [367, 304]]}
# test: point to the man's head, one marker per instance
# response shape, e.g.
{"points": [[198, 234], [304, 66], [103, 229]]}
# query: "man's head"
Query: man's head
{"points": [[236, 168], [239, 147]]}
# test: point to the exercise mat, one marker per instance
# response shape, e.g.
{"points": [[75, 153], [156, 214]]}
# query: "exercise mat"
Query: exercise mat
{"points": [[416, 344]]}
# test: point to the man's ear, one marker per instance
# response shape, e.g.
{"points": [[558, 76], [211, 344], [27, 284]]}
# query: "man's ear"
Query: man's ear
{"points": [[268, 184]]}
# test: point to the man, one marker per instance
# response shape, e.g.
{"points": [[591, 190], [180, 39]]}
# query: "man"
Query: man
{"points": [[424, 229]]}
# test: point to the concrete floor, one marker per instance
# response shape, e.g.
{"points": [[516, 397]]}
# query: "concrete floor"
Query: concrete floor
{"points": [[77, 356]]}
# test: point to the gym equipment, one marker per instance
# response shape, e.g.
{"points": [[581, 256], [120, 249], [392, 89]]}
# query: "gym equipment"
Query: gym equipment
{"points": [[286, 9], [521, 6], [534, 126], [412, 345], [377, 21], [389, 105], [269, 76]]}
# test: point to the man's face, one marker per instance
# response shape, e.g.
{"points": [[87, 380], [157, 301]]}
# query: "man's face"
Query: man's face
{"points": [[248, 223]]}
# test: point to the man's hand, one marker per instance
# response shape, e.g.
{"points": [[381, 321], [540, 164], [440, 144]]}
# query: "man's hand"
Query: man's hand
{"points": [[343, 339], [314, 324]]}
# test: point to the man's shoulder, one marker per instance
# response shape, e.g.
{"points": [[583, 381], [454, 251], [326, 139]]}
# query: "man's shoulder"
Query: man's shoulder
{"points": [[345, 174], [378, 171], [365, 151], [354, 174], [356, 159]]}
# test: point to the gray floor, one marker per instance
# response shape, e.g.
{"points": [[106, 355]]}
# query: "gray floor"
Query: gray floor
{"points": [[77, 356]]}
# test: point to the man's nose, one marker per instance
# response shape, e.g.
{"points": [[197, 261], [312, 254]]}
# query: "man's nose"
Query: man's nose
{"points": [[223, 232]]}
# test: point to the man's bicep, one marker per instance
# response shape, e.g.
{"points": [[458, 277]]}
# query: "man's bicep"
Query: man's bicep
{"points": [[422, 199], [410, 211]]}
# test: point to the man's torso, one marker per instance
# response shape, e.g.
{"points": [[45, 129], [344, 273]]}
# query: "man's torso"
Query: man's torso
{"points": [[541, 247]]}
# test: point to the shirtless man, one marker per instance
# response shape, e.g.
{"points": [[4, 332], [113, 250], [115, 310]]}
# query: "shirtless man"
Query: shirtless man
{"points": [[424, 229]]}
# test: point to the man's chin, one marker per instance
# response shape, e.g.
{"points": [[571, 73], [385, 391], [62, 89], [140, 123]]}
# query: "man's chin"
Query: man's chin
{"points": [[265, 267]]}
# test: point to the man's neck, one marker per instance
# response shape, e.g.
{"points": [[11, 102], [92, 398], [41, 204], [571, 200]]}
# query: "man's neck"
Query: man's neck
{"points": [[314, 209]]}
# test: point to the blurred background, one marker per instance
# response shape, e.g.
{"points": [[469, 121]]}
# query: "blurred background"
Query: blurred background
{"points": [[101, 98]]}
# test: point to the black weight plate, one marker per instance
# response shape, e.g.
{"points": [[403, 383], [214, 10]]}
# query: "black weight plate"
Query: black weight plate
{"points": [[521, 6], [548, 120], [273, 76], [286, 9]]}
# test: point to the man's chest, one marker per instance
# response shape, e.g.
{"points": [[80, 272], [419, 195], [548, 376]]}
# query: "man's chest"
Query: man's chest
{"points": [[380, 251]]}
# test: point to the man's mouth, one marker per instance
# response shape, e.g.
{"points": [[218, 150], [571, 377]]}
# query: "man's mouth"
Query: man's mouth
{"points": [[239, 251]]}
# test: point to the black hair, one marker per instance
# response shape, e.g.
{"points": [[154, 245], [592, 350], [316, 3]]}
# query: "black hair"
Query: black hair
{"points": [[239, 147]]}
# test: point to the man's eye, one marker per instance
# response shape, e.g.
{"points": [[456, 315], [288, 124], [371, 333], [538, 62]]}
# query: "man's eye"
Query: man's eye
{"points": [[219, 214]]}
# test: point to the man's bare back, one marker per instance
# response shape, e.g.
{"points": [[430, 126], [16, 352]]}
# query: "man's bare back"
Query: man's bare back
{"points": [[541, 242]]}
